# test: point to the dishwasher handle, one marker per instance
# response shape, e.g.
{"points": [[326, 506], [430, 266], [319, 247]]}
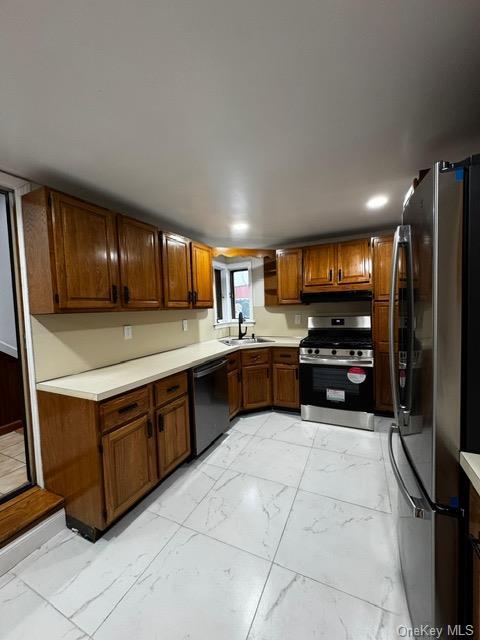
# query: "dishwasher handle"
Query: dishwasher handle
{"points": [[202, 372]]}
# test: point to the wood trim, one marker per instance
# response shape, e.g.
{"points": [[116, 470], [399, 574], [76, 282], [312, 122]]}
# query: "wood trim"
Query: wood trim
{"points": [[13, 426], [25, 511], [234, 252]]}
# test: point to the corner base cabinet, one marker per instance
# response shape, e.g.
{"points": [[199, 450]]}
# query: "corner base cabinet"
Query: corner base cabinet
{"points": [[102, 457]]}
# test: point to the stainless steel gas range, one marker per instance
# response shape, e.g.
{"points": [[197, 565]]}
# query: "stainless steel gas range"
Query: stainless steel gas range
{"points": [[336, 371]]}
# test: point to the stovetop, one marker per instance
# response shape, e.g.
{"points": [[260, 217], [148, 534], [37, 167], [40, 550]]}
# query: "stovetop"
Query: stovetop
{"points": [[341, 339]]}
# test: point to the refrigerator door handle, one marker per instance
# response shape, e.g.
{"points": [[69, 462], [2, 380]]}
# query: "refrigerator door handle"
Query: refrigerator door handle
{"points": [[402, 237], [391, 323], [416, 504]]}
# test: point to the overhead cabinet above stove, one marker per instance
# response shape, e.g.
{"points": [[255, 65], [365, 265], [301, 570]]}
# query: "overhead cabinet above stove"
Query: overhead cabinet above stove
{"points": [[340, 264]]}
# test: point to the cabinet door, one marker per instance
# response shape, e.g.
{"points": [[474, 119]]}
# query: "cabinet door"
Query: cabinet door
{"points": [[383, 391], [289, 275], [129, 464], [86, 256], [353, 261], [285, 386], [177, 277], [139, 264], [202, 276], [382, 263], [234, 392], [256, 385], [173, 435], [319, 265]]}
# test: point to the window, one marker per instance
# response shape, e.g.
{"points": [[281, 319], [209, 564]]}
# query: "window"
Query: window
{"points": [[233, 291]]}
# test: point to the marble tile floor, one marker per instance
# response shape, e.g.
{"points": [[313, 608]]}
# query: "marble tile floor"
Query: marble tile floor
{"points": [[283, 529], [13, 470]]}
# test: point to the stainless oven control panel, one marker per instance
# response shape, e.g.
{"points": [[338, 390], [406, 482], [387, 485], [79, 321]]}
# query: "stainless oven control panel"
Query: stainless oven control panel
{"points": [[339, 357]]}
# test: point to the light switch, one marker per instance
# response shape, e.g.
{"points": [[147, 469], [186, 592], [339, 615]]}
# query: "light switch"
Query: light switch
{"points": [[127, 332], [184, 325], [298, 318]]}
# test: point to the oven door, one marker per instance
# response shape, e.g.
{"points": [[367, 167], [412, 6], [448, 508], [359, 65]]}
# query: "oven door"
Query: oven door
{"points": [[348, 387]]}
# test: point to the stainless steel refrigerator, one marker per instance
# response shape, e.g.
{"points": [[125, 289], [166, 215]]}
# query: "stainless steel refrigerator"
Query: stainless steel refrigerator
{"points": [[435, 293]]}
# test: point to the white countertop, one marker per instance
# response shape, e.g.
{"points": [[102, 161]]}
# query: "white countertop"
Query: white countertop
{"points": [[106, 382], [470, 463]]}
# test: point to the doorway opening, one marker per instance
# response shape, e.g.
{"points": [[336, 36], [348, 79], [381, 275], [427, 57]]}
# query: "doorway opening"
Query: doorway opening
{"points": [[15, 458]]}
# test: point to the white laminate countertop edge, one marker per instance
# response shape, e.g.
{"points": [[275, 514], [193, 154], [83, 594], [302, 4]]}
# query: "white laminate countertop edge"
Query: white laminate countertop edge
{"points": [[103, 383], [470, 463]]}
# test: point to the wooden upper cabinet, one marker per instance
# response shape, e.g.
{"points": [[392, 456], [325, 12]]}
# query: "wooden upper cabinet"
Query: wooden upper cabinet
{"points": [[319, 265], [71, 251], [202, 275], [382, 264], [353, 262], [86, 259], [177, 276], [139, 264], [289, 276]]}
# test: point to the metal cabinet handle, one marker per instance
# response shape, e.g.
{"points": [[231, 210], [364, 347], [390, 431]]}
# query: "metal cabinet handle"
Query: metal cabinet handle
{"points": [[149, 428], [330, 275], [114, 293], [339, 275], [128, 407], [160, 423], [285, 355], [194, 297], [126, 295], [190, 297], [174, 388]]}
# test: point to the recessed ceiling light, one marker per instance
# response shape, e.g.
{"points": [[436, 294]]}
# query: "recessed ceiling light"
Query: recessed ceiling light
{"points": [[239, 227], [376, 202]]}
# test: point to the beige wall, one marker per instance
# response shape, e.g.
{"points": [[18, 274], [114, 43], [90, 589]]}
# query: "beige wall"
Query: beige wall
{"points": [[71, 343], [280, 321]]}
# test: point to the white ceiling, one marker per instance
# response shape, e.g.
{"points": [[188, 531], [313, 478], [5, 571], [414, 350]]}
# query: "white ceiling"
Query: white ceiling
{"points": [[288, 114]]}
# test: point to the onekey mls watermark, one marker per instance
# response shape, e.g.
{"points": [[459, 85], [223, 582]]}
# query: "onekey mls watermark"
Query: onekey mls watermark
{"points": [[426, 631]]}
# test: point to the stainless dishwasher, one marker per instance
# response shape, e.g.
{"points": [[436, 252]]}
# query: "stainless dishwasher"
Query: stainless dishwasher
{"points": [[209, 403]]}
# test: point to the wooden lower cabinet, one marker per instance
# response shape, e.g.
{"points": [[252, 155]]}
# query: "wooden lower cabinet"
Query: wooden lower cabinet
{"points": [[102, 457], [173, 435], [129, 465], [285, 386], [234, 392], [383, 388], [256, 386]]}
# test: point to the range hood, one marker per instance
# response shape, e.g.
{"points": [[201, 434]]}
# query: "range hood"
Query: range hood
{"points": [[335, 296]]}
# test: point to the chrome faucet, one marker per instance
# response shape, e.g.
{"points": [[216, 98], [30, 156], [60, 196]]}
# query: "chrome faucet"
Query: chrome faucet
{"points": [[241, 333]]}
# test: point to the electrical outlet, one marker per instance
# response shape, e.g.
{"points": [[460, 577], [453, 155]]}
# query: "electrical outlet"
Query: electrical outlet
{"points": [[127, 332], [184, 325], [298, 318]]}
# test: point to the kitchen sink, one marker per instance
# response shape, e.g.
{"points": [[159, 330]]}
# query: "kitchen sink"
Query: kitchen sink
{"points": [[234, 341]]}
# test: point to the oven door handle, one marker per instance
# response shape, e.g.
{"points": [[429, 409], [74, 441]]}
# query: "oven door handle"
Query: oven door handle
{"points": [[336, 362]]}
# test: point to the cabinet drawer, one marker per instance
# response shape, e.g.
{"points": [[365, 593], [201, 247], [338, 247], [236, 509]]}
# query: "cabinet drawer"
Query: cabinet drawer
{"points": [[285, 355], [126, 407], [170, 388], [233, 361], [255, 356]]}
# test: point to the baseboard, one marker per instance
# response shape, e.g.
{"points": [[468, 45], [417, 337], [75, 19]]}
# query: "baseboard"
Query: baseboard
{"points": [[21, 547]]}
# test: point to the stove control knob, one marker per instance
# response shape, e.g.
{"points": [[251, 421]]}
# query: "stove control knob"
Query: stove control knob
{"points": [[310, 351], [317, 351], [359, 353], [334, 352], [352, 353]]}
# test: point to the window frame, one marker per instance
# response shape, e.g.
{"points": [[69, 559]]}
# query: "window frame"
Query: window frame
{"points": [[228, 312]]}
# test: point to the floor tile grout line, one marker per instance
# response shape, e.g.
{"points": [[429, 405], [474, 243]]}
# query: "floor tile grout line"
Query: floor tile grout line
{"points": [[85, 633], [353, 504], [312, 446], [140, 574], [325, 584], [278, 544]]}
